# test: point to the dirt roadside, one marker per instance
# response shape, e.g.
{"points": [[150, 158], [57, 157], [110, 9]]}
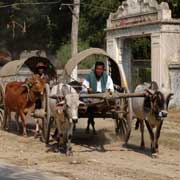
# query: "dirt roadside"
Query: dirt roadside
{"points": [[99, 157]]}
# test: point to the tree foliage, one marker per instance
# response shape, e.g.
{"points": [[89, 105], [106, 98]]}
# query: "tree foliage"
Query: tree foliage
{"points": [[48, 27], [25, 27], [94, 14], [64, 52]]}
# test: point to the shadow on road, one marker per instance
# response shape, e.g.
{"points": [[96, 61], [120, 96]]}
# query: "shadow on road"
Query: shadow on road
{"points": [[138, 149], [29, 125], [90, 141]]}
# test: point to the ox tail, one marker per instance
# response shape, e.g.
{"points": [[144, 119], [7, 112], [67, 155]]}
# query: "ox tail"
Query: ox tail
{"points": [[137, 125], [122, 128]]}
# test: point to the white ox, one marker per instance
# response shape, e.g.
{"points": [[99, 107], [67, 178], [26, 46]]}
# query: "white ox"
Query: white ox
{"points": [[152, 110], [64, 109]]}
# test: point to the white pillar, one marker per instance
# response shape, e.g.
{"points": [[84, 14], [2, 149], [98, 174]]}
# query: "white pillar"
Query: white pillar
{"points": [[126, 54], [155, 58], [120, 44], [112, 47]]}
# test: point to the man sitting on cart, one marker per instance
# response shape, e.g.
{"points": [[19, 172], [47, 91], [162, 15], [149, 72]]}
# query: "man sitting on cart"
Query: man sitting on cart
{"points": [[97, 81]]}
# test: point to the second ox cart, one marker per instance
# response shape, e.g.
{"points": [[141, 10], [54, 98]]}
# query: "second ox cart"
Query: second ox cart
{"points": [[11, 72]]}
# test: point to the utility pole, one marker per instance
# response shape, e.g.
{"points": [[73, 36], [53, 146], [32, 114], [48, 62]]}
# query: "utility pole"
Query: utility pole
{"points": [[74, 33]]}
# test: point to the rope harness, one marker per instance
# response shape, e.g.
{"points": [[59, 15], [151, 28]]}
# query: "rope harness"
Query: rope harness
{"points": [[29, 98]]}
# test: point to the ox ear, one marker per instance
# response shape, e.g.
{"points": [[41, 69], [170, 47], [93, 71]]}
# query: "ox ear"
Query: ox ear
{"points": [[149, 92]]}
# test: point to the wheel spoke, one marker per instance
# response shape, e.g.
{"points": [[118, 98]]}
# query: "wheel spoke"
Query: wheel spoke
{"points": [[123, 121], [46, 119]]}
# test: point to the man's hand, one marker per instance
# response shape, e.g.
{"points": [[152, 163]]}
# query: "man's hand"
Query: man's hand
{"points": [[90, 90]]}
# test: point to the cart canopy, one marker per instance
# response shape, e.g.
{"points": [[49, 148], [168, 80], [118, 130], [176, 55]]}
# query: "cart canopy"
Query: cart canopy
{"points": [[12, 68], [116, 71]]}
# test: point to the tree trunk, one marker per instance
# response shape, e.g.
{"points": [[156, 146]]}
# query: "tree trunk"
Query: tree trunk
{"points": [[74, 34]]}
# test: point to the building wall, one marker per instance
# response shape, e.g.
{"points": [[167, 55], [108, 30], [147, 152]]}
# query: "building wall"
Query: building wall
{"points": [[175, 86]]}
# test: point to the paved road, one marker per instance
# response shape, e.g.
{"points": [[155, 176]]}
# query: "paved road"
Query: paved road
{"points": [[10, 172]]}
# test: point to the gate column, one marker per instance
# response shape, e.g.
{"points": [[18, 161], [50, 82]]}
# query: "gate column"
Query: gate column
{"points": [[155, 58]]}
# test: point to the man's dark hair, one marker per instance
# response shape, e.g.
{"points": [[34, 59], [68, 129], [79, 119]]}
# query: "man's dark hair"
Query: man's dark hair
{"points": [[99, 63]]}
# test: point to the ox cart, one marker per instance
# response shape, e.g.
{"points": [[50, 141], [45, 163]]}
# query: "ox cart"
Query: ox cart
{"points": [[116, 105], [11, 72]]}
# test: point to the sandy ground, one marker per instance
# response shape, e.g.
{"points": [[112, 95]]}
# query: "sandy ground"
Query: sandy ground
{"points": [[94, 157]]}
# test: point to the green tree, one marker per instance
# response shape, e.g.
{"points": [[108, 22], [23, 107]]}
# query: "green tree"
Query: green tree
{"points": [[174, 6], [64, 53], [94, 14], [27, 27], [48, 27]]}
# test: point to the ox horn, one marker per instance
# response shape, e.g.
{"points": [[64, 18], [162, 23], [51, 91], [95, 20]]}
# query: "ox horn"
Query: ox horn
{"points": [[60, 103], [81, 102], [169, 97], [149, 92]]}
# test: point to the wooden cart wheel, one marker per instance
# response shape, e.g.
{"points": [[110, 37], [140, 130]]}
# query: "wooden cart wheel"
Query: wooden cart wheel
{"points": [[2, 117], [46, 119], [123, 118]]}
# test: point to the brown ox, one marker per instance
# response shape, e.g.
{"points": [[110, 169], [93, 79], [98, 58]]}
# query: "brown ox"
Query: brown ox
{"points": [[20, 97]]}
